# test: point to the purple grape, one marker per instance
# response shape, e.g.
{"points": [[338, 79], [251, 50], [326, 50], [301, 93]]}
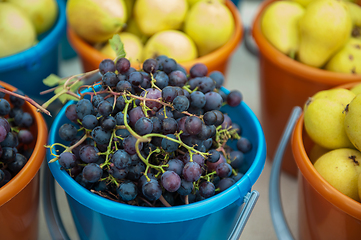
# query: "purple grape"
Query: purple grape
{"points": [[70, 113], [175, 165], [198, 100], [92, 172], [234, 98], [127, 190], [106, 65], [224, 170], [143, 126], [135, 114], [24, 136], [67, 160], [206, 189], [185, 188], [67, 132], [198, 70], [244, 145], [213, 101], [152, 190], [177, 78], [193, 125], [89, 154], [150, 65], [100, 135], [225, 183], [83, 107], [121, 159], [237, 159], [122, 65], [129, 145], [192, 172], [213, 156], [169, 126], [18, 163], [169, 145], [110, 79], [89, 122], [170, 181]]}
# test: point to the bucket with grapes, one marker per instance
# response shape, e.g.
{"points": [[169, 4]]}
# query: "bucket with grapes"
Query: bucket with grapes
{"points": [[23, 134], [141, 156]]}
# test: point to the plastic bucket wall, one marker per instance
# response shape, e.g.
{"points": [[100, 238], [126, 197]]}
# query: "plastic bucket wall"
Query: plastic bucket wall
{"points": [[284, 84], [323, 212], [217, 60], [98, 218], [19, 198], [26, 70]]}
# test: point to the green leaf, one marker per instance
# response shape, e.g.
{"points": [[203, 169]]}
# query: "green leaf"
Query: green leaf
{"points": [[118, 46], [52, 80], [65, 97]]}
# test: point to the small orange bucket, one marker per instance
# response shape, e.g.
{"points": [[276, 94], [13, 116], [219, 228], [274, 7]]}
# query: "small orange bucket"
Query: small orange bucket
{"points": [[284, 84], [19, 198], [216, 60]]}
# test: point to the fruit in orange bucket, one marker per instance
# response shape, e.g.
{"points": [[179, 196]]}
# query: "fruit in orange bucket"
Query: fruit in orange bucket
{"points": [[341, 168], [325, 28], [324, 118], [210, 24], [153, 16], [171, 43], [96, 20], [280, 25], [17, 31]]}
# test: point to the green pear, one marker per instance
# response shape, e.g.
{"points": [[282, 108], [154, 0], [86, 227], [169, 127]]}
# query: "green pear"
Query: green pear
{"points": [[16, 30], [356, 89], [341, 168], [355, 13], [324, 28], [133, 48], [347, 59], [192, 2], [210, 24], [42, 13], [133, 28], [153, 16], [172, 43], [279, 25], [352, 121], [96, 20], [324, 118]]}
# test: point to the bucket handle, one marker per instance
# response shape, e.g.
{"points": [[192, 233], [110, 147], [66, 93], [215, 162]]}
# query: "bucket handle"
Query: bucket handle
{"points": [[278, 219], [249, 202]]}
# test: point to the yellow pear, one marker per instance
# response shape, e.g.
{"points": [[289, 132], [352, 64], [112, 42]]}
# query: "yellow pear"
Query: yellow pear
{"points": [[355, 13], [133, 48], [96, 20], [192, 2], [172, 43], [133, 28], [324, 28], [279, 25], [347, 59], [304, 3], [17, 33], [324, 118], [341, 168], [210, 24], [352, 121], [130, 5], [359, 185], [356, 89], [42, 13], [153, 16]]}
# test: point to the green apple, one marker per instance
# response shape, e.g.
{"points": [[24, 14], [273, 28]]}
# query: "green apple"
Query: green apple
{"points": [[324, 118], [42, 13], [16, 30], [172, 43], [341, 168]]}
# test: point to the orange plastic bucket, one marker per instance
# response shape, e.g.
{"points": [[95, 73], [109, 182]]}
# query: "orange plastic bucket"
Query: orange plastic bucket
{"points": [[216, 60], [323, 211], [19, 198], [284, 84]]}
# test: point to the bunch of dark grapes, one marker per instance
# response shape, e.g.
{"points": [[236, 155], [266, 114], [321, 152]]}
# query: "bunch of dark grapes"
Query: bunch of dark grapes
{"points": [[154, 136], [15, 138]]}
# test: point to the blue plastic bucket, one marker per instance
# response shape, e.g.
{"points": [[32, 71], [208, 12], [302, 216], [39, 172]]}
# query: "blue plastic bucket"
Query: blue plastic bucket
{"points": [[26, 70], [96, 217]]}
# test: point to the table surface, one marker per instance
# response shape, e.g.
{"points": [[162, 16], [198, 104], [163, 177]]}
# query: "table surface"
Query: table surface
{"points": [[243, 74]]}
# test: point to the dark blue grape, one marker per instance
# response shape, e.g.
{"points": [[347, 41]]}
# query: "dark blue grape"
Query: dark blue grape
{"points": [[169, 65], [83, 107], [225, 183], [177, 78], [198, 99], [127, 190], [16, 101], [67, 160], [181, 103], [169, 93], [136, 171], [161, 79], [110, 79], [18, 163], [213, 156], [152, 190], [106, 65], [123, 86], [4, 107], [209, 118], [89, 154], [67, 132], [169, 145], [206, 189], [143, 126], [105, 108], [169, 126], [8, 155], [198, 70], [89, 121], [108, 123], [150, 65], [220, 117], [118, 173], [96, 100], [121, 159], [175, 165], [161, 115], [157, 125], [136, 78], [244, 145], [185, 188], [236, 158], [70, 113], [100, 135], [224, 170], [92, 172], [213, 101], [129, 145], [217, 77]]}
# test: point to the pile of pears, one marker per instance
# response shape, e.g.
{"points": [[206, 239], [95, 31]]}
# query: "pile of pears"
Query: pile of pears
{"points": [[180, 29], [22, 21], [332, 119], [323, 34]]}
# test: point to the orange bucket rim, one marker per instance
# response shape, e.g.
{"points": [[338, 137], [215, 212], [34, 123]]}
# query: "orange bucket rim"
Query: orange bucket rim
{"points": [[293, 66], [31, 168], [85, 49], [331, 194]]}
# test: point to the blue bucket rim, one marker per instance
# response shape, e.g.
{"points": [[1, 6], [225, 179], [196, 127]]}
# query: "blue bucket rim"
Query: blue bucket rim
{"points": [[158, 215], [51, 39]]}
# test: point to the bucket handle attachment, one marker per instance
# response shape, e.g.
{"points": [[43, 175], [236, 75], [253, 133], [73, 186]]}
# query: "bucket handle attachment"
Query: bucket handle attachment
{"points": [[249, 202], [58, 231], [278, 219]]}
